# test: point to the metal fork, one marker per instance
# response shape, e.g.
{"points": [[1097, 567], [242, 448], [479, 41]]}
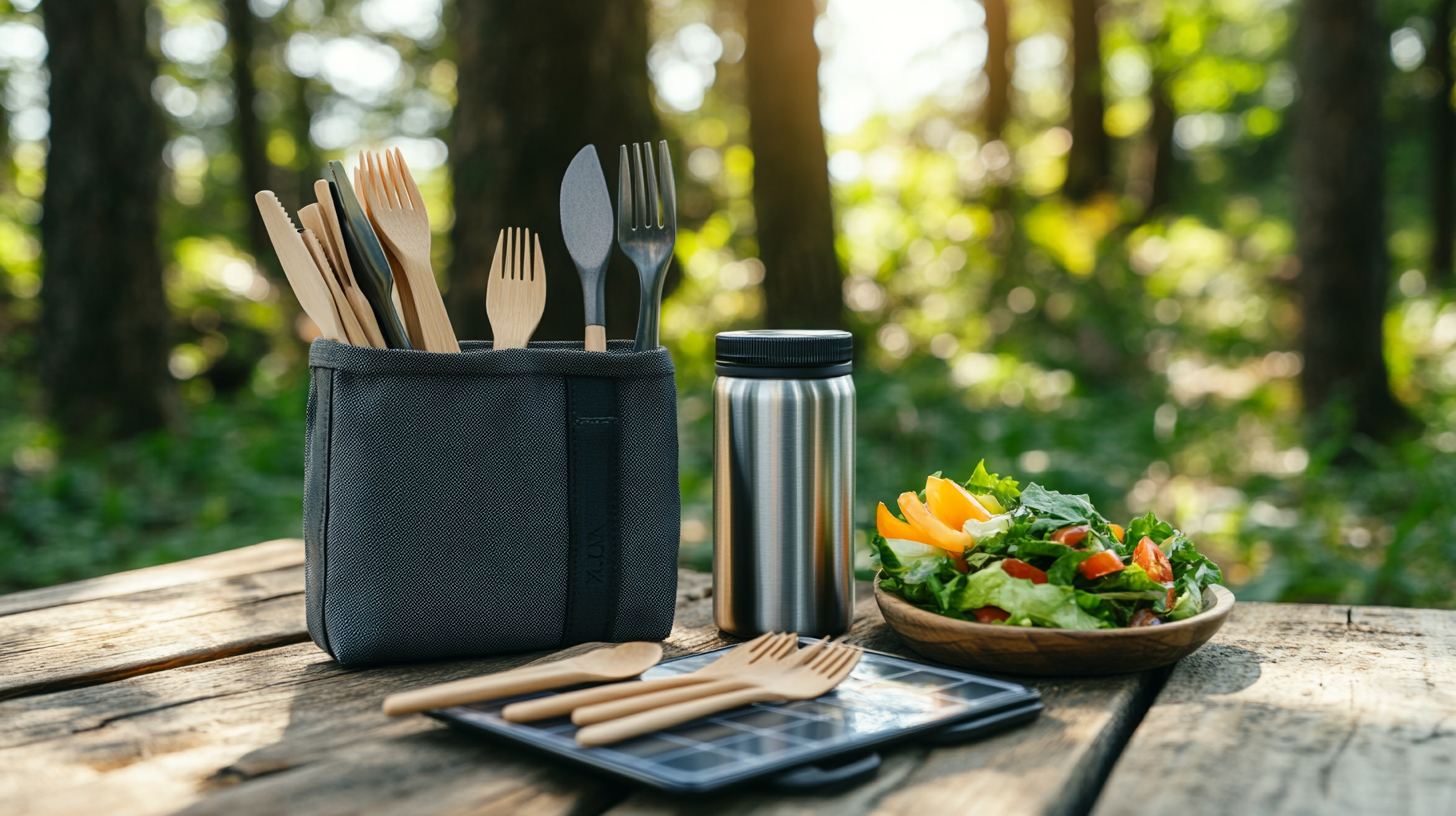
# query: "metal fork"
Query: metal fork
{"points": [[516, 296], [645, 237]]}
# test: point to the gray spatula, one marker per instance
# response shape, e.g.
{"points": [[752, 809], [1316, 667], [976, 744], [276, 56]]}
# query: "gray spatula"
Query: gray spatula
{"points": [[586, 224]]}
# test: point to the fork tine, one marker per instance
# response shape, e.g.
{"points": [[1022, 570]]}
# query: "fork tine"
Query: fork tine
{"points": [[495, 262], [811, 653], [385, 173], [828, 657], [650, 173], [527, 271], [376, 182], [843, 665], [407, 180], [538, 270], [624, 194], [667, 188], [639, 198], [385, 179], [523, 243], [515, 254]]}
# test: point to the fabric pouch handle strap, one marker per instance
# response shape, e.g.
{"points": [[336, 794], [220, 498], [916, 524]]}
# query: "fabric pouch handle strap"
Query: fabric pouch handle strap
{"points": [[594, 558]]}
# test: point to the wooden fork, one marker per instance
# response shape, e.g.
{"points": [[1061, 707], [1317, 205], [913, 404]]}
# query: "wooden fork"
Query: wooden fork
{"points": [[398, 213], [741, 679], [763, 650], [517, 294], [803, 682]]}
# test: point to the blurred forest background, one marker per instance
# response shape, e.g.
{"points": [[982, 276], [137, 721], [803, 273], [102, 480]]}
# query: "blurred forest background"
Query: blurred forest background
{"points": [[1191, 255]]}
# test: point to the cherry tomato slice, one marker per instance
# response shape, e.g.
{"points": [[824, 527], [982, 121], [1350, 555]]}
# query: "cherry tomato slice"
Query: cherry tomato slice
{"points": [[1154, 562], [1103, 563], [1071, 536], [960, 563], [991, 614], [1017, 568]]}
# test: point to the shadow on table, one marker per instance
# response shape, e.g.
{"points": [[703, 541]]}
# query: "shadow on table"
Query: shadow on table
{"points": [[1215, 669]]}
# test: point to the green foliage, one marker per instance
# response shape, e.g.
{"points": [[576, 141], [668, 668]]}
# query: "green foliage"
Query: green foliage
{"points": [[1147, 359], [232, 477]]}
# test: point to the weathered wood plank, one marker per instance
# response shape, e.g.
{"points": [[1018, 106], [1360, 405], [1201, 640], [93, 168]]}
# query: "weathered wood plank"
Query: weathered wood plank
{"points": [[282, 730], [113, 637], [270, 555], [1301, 710]]}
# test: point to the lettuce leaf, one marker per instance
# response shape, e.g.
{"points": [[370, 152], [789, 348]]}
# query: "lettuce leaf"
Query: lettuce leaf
{"points": [[1189, 600], [1188, 561], [1132, 578], [985, 532], [921, 574], [1056, 510], [1064, 571], [1149, 526], [1028, 604], [1004, 491]]}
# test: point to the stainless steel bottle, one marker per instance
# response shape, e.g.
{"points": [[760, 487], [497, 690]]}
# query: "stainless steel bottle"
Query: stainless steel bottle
{"points": [[783, 482]]}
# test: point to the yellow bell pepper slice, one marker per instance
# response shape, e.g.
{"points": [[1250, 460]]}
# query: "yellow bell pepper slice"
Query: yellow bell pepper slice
{"points": [[891, 527], [940, 535], [950, 503]]}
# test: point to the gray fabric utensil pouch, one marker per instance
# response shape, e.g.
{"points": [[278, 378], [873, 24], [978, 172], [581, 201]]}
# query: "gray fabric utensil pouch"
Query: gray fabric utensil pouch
{"points": [[489, 501]]}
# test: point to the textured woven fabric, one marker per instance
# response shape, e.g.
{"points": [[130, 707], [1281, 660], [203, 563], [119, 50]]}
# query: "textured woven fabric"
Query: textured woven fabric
{"points": [[436, 498]]}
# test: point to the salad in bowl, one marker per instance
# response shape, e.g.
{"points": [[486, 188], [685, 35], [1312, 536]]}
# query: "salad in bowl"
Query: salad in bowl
{"points": [[987, 550]]}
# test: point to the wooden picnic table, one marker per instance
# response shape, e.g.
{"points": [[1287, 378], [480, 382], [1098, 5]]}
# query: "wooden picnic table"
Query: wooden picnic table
{"points": [[192, 688]]}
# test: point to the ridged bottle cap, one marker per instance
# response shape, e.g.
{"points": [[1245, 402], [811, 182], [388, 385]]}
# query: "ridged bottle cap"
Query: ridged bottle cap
{"points": [[794, 348]]}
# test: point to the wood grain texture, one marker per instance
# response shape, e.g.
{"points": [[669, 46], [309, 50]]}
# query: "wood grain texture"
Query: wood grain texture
{"points": [[286, 730], [135, 705], [270, 555], [1053, 652], [1302, 710], [111, 638]]}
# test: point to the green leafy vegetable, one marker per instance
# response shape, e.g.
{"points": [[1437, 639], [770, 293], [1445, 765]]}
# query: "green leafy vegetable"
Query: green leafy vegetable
{"points": [[1002, 490], [1028, 604], [1022, 527], [1064, 570], [1149, 526], [1055, 510]]}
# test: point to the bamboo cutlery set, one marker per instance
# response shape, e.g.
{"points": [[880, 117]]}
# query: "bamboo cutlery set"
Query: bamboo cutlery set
{"points": [[771, 668], [360, 265]]}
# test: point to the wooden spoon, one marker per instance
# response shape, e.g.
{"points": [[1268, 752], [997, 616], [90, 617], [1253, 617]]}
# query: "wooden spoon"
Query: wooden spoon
{"points": [[616, 663], [761, 650]]}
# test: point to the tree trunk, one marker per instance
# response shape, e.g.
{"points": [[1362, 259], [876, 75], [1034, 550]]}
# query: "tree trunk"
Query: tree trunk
{"points": [[1443, 151], [247, 131], [803, 285], [997, 107], [1088, 161], [536, 82], [1340, 185], [1152, 176], [104, 325], [307, 165]]}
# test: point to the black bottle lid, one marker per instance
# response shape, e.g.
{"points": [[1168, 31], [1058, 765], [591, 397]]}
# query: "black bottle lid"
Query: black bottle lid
{"points": [[786, 354]]}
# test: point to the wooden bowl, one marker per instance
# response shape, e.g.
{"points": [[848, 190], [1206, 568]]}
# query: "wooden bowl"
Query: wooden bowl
{"points": [[1053, 652]]}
